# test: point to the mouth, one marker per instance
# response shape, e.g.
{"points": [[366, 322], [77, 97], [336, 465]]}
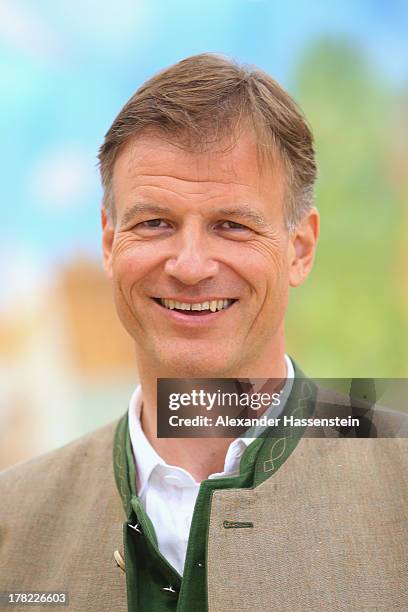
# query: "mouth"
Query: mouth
{"points": [[206, 307]]}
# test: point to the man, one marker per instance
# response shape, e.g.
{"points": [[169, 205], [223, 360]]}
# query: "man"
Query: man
{"points": [[208, 220]]}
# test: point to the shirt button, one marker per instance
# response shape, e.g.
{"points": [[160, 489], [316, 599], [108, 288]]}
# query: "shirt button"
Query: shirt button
{"points": [[200, 564]]}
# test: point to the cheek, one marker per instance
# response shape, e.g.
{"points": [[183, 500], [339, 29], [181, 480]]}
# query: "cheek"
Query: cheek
{"points": [[263, 265], [132, 261]]}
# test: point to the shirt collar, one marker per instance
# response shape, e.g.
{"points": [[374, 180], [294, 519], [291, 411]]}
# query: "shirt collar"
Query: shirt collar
{"points": [[146, 458]]}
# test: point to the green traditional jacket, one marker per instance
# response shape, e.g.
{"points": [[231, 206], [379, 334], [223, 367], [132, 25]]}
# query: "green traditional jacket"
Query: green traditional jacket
{"points": [[308, 524]]}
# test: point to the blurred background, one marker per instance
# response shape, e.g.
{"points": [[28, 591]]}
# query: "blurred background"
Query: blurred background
{"points": [[66, 69]]}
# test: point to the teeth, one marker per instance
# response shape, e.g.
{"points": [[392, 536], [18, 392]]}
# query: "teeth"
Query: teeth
{"points": [[213, 305]]}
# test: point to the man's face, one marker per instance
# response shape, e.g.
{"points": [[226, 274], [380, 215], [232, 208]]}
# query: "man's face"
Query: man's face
{"points": [[200, 258]]}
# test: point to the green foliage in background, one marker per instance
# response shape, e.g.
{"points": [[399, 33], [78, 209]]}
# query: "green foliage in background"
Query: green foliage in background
{"points": [[349, 318]]}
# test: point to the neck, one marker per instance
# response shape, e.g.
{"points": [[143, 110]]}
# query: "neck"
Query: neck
{"points": [[199, 456]]}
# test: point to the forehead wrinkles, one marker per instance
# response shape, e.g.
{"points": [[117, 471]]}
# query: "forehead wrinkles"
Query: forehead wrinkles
{"points": [[220, 160], [199, 173], [188, 169]]}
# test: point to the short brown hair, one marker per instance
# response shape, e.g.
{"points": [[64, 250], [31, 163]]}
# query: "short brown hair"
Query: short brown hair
{"points": [[207, 98]]}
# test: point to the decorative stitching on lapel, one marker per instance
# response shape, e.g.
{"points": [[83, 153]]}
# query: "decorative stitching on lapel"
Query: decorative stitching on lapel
{"points": [[269, 463]]}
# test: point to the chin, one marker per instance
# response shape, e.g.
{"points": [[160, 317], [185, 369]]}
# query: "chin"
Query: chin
{"points": [[190, 363]]}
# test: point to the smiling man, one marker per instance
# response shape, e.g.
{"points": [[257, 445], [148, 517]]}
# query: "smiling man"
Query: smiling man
{"points": [[208, 222], [201, 256], [201, 259]]}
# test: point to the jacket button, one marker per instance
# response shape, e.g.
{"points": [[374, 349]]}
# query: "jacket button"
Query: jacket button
{"points": [[119, 560]]}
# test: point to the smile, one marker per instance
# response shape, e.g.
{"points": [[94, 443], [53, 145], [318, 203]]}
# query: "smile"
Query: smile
{"points": [[202, 307]]}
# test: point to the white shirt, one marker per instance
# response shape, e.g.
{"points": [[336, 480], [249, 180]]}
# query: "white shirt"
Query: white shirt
{"points": [[168, 493]]}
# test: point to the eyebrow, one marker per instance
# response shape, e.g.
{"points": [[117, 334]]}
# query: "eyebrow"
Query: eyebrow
{"points": [[243, 212], [140, 207]]}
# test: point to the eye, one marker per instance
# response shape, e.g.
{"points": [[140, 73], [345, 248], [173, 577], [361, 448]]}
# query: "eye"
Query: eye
{"points": [[232, 225], [153, 223]]}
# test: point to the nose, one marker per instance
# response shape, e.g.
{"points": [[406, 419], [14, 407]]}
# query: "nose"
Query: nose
{"points": [[192, 261]]}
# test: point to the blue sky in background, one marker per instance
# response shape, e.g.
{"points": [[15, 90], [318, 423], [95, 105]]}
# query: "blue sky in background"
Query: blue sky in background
{"points": [[67, 67]]}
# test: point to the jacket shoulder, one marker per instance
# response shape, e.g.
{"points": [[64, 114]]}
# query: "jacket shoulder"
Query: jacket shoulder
{"points": [[375, 420], [91, 452], [61, 522]]}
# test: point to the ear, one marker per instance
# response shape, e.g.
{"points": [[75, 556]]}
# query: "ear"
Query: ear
{"points": [[108, 234], [303, 242]]}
